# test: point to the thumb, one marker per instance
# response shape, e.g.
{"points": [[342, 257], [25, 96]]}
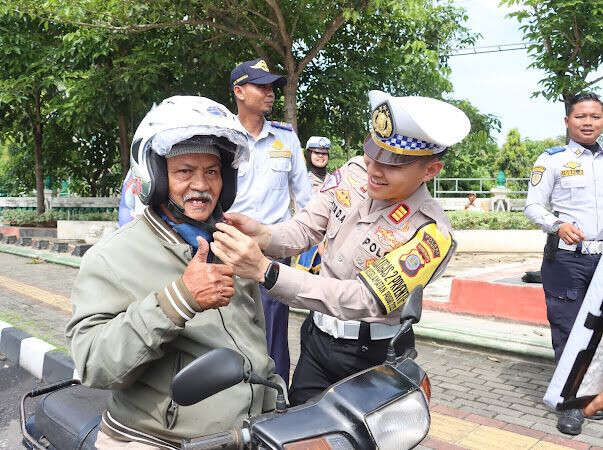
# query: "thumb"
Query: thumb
{"points": [[203, 249], [235, 219]]}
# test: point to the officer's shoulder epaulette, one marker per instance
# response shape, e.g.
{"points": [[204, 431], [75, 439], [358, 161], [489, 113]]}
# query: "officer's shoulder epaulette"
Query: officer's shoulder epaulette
{"points": [[553, 150], [281, 125]]}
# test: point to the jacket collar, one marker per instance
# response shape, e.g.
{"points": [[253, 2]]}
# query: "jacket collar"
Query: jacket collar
{"points": [[162, 230]]}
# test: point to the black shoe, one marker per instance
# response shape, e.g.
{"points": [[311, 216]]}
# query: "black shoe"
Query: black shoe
{"points": [[596, 416], [570, 422]]}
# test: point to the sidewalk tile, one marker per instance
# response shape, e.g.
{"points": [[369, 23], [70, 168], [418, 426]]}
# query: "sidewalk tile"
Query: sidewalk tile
{"points": [[485, 421], [523, 430], [566, 442], [448, 411], [542, 445], [493, 438], [437, 444], [449, 429]]}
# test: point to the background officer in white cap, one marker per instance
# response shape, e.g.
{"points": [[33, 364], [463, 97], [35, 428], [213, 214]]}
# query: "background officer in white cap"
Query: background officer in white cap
{"points": [[384, 235], [568, 181], [317, 158], [275, 172]]}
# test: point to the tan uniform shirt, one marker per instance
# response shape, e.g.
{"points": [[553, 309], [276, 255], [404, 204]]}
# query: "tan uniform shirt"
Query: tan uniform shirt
{"points": [[315, 182], [358, 231]]}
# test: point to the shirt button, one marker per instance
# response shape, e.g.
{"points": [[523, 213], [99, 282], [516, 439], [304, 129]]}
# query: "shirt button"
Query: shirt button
{"points": [[340, 259]]}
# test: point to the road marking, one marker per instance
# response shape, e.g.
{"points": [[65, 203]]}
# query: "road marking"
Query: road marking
{"points": [[50, 298]]}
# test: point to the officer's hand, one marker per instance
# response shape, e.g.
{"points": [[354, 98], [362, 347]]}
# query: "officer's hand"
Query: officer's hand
{"points": [[250, 227], [570, 234], [595, 405], [240, 252], [211, 285]]}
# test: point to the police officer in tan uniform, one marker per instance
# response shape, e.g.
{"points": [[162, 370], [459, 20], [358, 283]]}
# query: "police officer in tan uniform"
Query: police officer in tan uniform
{"points": [[384, 236], [317, 158]]}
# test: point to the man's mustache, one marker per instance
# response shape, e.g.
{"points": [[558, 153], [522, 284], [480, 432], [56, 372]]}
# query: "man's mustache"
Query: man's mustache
{"points": [[200, 195]]}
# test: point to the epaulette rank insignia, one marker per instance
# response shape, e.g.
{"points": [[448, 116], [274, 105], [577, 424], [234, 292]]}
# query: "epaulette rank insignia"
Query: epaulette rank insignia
{"points": [[282, 125], [332, 181], [553, 150], [400, 213]]}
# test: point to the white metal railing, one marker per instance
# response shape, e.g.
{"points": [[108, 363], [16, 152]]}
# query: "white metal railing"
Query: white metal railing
{"points": [[438, 191]]}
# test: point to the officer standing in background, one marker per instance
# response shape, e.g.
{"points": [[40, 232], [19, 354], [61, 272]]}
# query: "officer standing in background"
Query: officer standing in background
{"points": [[275, 169], [317, 158], [569, 181], [384, 234]]}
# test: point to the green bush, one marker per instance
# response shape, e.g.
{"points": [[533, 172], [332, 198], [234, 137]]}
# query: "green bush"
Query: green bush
{"points": [[475, 220], [30, 218]]}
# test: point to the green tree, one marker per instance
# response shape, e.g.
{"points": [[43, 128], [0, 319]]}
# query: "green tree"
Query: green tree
{"points": [[565, 37], [472, 157], [398, 50], [29, 82]]}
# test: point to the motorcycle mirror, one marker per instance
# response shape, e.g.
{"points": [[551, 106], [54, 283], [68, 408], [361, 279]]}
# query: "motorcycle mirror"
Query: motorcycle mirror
{"points": [[410, 313], [413, 307], [207, 375]]}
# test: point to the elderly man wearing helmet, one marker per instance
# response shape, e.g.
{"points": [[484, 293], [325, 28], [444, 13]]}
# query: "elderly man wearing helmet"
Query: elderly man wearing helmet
{"points": [[149, 298], [384, 236]]}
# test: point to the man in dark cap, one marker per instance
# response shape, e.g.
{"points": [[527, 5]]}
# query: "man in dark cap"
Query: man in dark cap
{"points": [[276, 171]]}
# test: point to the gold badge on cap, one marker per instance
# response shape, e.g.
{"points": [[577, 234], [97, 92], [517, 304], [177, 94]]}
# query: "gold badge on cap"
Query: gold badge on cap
{"points": [[261, 64], [382, 121]]}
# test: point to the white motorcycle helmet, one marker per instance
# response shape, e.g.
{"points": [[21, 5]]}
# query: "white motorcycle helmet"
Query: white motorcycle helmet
{"points": [[178, 119]]}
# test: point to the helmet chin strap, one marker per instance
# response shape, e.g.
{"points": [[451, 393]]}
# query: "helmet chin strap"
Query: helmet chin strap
{"points": [[208, 225]]}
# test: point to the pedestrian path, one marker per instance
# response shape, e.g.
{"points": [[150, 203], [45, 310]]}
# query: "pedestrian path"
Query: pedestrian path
{"points": [[455, 429]]}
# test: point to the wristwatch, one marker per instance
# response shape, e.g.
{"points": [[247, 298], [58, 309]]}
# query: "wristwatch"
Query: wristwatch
{"points": [[271, 275], [556, 226]]}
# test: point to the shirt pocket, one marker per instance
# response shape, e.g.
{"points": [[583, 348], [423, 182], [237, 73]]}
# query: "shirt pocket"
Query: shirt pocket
{"points": [[279, 172], [576, 185]]}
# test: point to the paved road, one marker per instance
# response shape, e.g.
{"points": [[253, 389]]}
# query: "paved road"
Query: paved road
{"points": [[482, 392]]}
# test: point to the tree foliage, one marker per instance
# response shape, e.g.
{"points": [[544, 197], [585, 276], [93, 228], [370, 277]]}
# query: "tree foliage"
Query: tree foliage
{"points": [[565, 37], [101, 64]]}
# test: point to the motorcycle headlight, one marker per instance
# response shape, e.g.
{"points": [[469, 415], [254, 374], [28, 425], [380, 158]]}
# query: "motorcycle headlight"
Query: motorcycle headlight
{"points": [[400, 424]]}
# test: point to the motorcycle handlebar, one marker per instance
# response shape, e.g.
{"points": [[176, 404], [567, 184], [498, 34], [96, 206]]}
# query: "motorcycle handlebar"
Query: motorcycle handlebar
{"points": [[226, 440]]}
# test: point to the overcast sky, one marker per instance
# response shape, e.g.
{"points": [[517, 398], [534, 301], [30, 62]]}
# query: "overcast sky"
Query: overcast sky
{"points": [[500, 83]]}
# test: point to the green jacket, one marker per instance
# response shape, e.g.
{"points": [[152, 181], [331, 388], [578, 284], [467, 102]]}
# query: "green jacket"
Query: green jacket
{"points": [[121, 338]]}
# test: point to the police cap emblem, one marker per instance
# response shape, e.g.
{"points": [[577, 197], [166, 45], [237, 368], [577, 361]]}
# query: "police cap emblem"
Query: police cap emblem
{"points": [[261, 64], [382, 121]]}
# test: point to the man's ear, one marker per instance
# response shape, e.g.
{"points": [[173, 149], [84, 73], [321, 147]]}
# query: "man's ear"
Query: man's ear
{"points": [[432, 169], [238, 92]]}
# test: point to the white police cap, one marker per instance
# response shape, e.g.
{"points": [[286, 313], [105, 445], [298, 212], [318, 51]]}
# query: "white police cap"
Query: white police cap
{"points": [[406, 128], [319, 144]]}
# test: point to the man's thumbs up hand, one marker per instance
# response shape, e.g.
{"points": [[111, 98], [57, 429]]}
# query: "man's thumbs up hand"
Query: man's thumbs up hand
{"points": [[211, 285]]}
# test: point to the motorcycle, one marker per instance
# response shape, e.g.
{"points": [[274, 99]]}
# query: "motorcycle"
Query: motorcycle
{"points": [[384, 407]]}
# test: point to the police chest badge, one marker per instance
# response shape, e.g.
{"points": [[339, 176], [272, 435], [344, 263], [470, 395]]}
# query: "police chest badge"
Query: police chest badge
{"points": [[343, 197], [536, 176], [382, 121]]}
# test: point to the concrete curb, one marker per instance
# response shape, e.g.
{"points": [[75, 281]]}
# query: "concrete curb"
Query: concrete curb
{"points": [[66, 260], [38, 357]]}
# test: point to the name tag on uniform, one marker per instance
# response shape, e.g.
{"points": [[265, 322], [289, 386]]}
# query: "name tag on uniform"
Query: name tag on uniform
{"points": [[572, 169], [280, 154]]}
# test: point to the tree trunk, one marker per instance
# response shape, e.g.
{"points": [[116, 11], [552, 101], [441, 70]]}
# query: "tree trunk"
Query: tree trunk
{"points": [[38, 170], [567, 97], [290, 92], [124, 148]]}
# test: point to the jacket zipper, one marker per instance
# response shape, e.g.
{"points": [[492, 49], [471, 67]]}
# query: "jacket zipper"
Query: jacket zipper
{"points": [[171, 413]]}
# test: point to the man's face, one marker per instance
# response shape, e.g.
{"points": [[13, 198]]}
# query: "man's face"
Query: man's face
{"points": [[195, 183], [387, 182], [585, 122], [256, 98], [319, 159]]}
